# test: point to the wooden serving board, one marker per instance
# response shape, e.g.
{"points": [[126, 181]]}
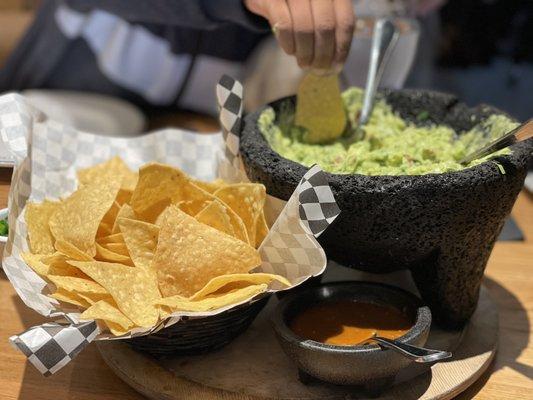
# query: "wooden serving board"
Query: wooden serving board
{"points": [[254, 366]]}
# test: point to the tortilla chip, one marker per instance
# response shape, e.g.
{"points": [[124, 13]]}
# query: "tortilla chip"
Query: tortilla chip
{"points": [[238, 225], [73, 284], [35, 262], [133, 289], [210, 187], [248, 201], [141, 240], [78, 217], [215, 214], [189, 254], [221, 282], [103, 231], [195, 199], [178, 303], [124, 196], [37, 217], [107, 311], [119, 248], [261, 230], [161, 185], [103, 254], [198, 199], [125, 212], [108, 170], [129, 182], [114, 238], [71, 251], [319, 108], [158, 185], [188, 207], [92, 298], [116, 329], [106, 225], [48, 258], [57, 265], [67, 296]]}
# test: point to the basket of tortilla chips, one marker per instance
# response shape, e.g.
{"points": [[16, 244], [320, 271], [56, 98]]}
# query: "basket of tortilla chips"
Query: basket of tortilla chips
{"points": [[158, 240]]}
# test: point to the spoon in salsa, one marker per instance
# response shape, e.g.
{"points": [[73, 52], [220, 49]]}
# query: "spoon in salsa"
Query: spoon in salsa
{"points": [[354, 323], [415, 353]]}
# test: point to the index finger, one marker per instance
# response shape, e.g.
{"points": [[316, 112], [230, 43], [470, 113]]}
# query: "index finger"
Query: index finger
{"points": [[281, 21]]}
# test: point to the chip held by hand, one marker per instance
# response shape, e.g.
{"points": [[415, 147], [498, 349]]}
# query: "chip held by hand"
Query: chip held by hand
{"points": [[319, 108]]}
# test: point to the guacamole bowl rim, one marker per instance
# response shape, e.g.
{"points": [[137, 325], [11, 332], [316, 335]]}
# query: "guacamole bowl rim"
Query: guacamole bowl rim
{"points": [[254, 143]]}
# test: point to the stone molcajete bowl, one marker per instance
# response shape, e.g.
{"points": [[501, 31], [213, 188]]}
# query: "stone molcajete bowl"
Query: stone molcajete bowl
{"points": [[370, 366], [441, 227]]}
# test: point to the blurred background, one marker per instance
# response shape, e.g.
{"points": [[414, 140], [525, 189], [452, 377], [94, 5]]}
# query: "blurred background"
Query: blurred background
{"points": [[480, 50], [124, 67]]}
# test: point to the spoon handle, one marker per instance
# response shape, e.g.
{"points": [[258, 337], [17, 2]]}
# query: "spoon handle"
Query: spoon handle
{"points": [[418, 354], [384, 38], [520, 133]]}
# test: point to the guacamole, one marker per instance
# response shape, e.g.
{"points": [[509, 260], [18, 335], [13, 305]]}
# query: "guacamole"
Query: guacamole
{"points": [[392, 146]]}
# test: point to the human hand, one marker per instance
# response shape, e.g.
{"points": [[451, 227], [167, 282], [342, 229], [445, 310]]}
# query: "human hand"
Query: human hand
{"points": [[317, 32]]}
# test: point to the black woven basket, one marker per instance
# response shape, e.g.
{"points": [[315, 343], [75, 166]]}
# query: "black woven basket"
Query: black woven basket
{"points": [[199, 335]]}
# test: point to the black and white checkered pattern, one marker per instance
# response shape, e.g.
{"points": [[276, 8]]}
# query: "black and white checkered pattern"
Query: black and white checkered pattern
{"points": [[49, 347], [318, 208], [291, 249], [230, 103], [48, 154]]}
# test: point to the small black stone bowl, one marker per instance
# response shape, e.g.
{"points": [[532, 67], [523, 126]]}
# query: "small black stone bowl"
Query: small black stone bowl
{"points": [[441, 227], [369, 365]]}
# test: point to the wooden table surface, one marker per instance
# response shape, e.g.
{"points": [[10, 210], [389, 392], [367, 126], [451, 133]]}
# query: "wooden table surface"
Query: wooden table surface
{"points": [[509, 277]]}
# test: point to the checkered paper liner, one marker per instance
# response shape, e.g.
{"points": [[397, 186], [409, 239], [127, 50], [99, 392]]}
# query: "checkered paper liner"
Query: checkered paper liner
{"points": [[47, 155]]}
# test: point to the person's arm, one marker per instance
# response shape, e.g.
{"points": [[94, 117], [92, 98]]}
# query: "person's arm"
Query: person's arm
{"points": [[197, 14], [317, 32]]}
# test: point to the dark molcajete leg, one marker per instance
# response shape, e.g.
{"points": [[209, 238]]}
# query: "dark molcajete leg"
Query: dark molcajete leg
{"points": [[449, 279], [449, 282]]}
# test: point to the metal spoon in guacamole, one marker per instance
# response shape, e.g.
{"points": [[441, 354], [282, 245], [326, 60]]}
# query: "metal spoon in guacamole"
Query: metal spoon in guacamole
{"points": [[518, 134], [386, 35]]}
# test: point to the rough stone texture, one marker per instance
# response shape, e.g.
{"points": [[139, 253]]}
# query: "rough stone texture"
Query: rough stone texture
{"points": [[440, 226]]}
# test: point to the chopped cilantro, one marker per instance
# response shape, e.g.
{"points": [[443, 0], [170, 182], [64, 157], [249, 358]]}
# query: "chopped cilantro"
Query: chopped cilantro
{"points": [[422, 116]]}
